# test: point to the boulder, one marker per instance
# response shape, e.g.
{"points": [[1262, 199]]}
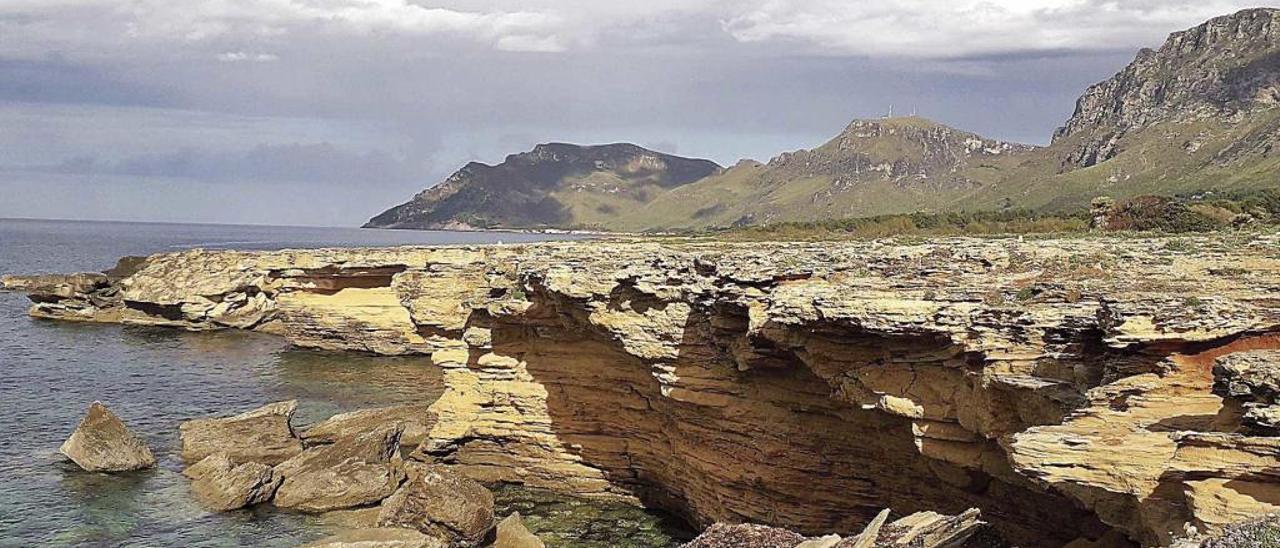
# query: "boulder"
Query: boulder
{"points": [[102, 443], [442, 503], [263, 435], [511, 533], [355, 471], [378, 537], [220, 484], [416, 418]]}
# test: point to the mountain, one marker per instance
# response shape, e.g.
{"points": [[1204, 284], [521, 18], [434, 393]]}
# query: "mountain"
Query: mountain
{"points": [[889, 165], [553, 185], [1200, 113]]}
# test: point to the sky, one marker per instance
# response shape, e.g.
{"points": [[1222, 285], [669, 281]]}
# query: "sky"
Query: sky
{"points": [[326, 112]]}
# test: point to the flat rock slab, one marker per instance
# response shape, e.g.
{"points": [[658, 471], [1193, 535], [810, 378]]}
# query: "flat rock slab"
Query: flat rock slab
{"points": [[102, 443], [378, 537], [263, 435], [417, 420], [355, 471], [441, 503], [221, 485]]}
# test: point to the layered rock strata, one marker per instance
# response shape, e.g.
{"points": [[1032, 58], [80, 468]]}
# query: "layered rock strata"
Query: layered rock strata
{"points": [[1064, 387]]}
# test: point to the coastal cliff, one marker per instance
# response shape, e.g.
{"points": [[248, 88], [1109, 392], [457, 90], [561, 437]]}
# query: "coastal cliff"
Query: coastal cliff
{"points": [[1070, 389]]}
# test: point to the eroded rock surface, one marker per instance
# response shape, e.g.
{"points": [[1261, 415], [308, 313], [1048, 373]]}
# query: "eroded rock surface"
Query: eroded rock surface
{"points": [[221, 485], [416, 418], [102, 443], [355, 471], [1064, 387], [440, 503], [263, 435]]}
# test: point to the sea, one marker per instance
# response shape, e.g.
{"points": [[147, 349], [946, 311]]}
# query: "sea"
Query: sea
{"points": [[153, 378]]}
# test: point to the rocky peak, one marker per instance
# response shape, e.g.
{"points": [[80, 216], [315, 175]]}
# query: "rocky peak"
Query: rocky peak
{"points": [[1224, 66], [519, 192], [902, 149]]}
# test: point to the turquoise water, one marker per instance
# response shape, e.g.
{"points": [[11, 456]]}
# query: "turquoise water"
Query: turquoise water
{"points": [[50, 372]]}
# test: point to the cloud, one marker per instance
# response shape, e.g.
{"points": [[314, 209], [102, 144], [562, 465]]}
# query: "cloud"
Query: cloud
{"points": [[959, 28], [913, 28], [241, 56]]}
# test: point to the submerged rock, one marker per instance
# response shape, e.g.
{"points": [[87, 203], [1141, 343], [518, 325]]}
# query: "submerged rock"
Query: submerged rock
{"points": [[102, 443], [355, 471], [440, 502], [417, 420], [220, 484], [378, 537], [511, 533], [263, 435]]}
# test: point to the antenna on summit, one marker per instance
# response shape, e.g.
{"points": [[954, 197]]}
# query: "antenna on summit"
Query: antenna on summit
{"points": [[890, 115]]}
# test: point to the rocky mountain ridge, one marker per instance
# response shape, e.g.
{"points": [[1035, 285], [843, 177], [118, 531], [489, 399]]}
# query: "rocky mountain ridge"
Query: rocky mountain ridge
{"points": [[523, 190], [1197, 114], [1225, 68]]}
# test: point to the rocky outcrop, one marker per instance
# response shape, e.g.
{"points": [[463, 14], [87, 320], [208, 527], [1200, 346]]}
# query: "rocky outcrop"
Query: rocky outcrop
{"points": [[1223, 69], [441, 503], [378, 537], [1063, 387], [220, 485], [416, 419], [1251, 380], [263, 435], [554, 185], [355, 471], [102, 443]]}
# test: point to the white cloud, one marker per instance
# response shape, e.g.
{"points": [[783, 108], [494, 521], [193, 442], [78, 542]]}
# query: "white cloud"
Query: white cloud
{"points": [[241, 56], [954, 28]]}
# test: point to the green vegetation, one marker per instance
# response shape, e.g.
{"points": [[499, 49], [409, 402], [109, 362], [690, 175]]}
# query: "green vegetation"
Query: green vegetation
{"points": [[917, 224], [1191, 213]]}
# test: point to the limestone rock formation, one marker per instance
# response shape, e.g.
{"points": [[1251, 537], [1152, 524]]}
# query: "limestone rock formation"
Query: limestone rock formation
{"points": [[102, 443], [511, 533], [1252, 379], [354, 471], [440, 503], [378, 537], [221, 485], [263, 435], [1063, 387], [416, 418]]}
